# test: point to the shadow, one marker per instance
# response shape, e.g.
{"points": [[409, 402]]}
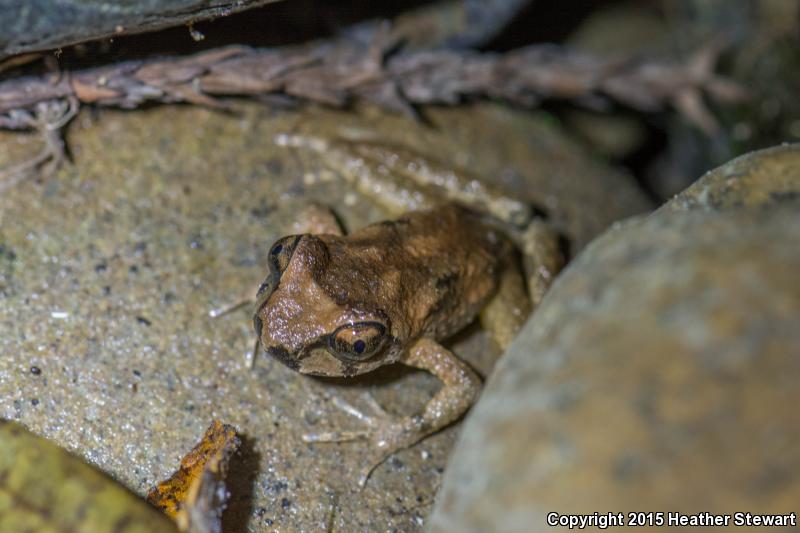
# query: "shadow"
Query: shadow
{"points": [[243, 469], [527, 26], [565, 248], [463, 334], [380, 376]]}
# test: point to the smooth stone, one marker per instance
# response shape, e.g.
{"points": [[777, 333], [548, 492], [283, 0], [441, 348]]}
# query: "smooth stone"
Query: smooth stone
{"points": [[659, 373]]}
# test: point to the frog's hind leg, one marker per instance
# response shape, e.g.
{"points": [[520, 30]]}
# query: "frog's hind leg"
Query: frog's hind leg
{"points": [[508, 309], [393, 192], [453, 183], [317, 219], [401, 180]]}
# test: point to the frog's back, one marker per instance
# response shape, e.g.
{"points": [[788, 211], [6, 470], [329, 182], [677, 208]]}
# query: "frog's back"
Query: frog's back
{"points": [[431, 271]]}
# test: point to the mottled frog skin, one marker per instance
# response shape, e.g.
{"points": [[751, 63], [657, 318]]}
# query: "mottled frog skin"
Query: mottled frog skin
{"points": [[426, 274]]}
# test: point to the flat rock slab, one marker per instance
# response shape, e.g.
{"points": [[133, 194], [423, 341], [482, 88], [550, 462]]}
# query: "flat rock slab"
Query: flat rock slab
{"points": [[108, 271], [659, 374]]}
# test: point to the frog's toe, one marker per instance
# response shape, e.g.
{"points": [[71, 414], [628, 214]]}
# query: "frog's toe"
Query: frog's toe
{"points": [[375, 459], [370, 467], [374, 419], [353, 411], [371, 421], [376, 408], [385, 432], [388, 439], [337, 436]]}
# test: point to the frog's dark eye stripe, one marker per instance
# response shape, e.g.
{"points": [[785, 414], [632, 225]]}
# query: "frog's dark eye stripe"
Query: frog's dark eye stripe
{"points": [[357, 342]]}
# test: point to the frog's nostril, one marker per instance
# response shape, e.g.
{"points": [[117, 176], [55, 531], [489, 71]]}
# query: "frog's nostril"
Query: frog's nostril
{"points": [[258, 325]]}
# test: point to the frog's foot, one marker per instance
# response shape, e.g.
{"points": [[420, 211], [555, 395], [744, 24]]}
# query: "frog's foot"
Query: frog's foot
{"points": [[386, 433]]}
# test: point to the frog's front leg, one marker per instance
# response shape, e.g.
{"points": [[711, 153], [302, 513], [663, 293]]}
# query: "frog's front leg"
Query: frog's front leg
{"points": [[387, 433]]}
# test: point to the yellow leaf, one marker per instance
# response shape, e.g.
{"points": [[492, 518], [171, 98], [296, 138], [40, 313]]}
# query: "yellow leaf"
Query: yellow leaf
{"points": [[195, 495]]}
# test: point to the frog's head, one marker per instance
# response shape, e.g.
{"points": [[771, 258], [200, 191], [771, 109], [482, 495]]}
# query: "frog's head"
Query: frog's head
{"points": [[302, 325]]}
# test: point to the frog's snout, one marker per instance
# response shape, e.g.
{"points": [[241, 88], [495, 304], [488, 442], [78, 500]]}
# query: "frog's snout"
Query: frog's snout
{"points": [[282, 355]]}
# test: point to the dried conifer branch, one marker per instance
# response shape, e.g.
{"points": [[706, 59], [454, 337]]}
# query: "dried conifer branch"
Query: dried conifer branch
{"points": [[336, 72], [339, 71]]}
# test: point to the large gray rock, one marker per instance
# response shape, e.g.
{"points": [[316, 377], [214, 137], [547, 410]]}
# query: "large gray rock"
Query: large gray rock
{"points": [[659, 373], [760, 179], [108, 270]]}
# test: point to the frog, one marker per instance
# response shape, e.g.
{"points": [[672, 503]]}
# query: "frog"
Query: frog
{"points": [[341, 305]]}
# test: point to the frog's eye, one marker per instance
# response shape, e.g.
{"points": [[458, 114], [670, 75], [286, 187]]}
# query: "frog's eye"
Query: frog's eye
{"points": [[357, 342], [281, 253], [278, 258]]}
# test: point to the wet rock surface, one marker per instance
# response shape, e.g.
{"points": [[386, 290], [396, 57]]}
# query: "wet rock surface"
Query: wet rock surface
{"points": [[658, 374], [108, 271]]}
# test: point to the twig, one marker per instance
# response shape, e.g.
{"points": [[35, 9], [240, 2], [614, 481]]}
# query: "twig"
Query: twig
{"points": [[340, 71]]}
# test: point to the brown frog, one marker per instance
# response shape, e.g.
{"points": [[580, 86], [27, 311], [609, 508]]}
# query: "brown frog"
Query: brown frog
{"points": [[342, 305]]}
